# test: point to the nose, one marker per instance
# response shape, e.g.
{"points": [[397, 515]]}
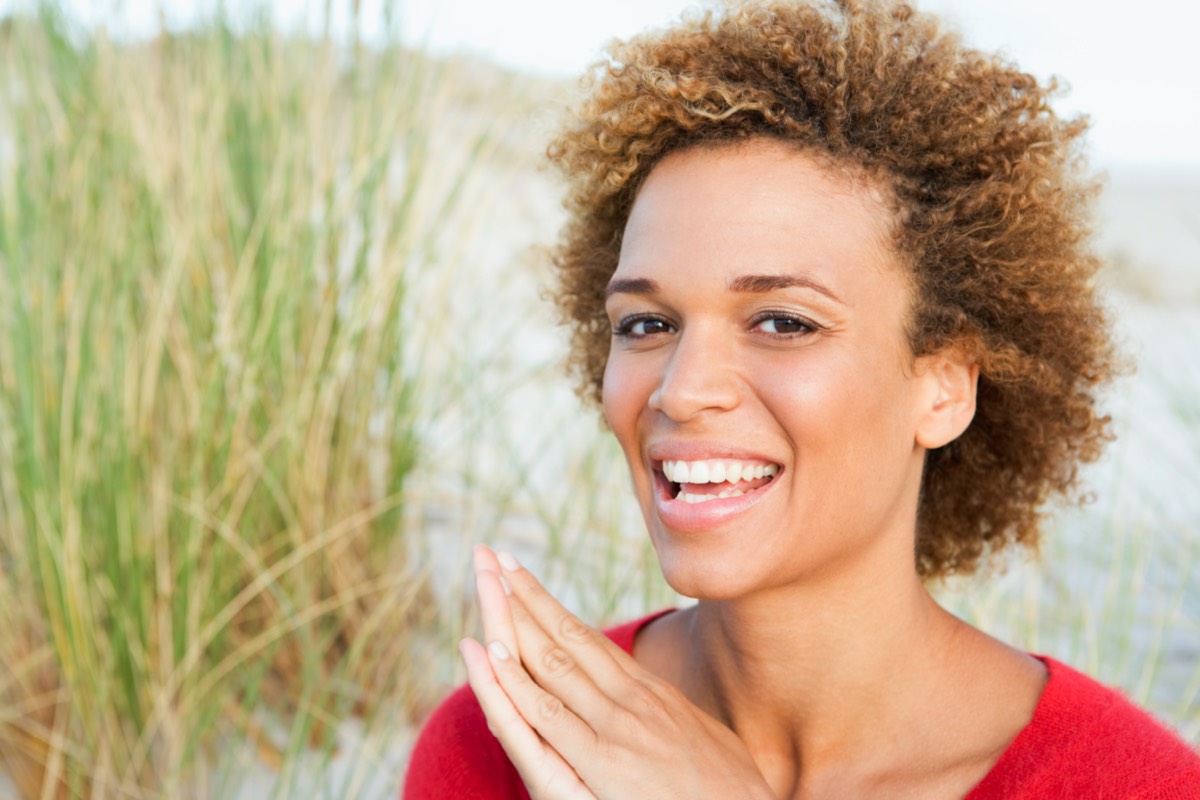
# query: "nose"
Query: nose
{"points": [[699, 376]]}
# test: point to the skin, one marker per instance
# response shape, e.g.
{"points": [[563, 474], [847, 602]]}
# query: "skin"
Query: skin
{"points": [[758, 309]]}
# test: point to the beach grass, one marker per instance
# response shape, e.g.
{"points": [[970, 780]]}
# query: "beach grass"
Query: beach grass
{"points": [[213, 245]]}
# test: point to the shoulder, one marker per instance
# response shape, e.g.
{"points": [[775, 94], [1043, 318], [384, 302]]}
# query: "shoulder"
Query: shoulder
{"points": [[1087, 740], [457, 756]]}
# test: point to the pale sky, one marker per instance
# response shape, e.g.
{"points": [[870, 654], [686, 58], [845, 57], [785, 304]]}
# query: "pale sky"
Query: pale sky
{"points": [[1135, 70]]}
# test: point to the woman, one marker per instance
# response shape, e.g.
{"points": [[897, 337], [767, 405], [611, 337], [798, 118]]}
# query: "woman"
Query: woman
{"points": [[828, 273]]}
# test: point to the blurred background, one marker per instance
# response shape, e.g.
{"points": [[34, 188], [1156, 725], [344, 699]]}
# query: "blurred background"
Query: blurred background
{"points": [[273, 356]]}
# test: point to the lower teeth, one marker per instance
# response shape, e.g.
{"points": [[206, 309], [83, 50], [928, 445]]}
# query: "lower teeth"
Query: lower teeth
{"points": [[703, 498]]}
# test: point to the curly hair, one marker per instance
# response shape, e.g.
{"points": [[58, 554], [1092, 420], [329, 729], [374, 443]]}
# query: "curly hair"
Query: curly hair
{"points": [[993, 217]]}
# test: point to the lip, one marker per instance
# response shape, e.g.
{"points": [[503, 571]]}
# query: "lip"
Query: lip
{"points": [[711, 514]]}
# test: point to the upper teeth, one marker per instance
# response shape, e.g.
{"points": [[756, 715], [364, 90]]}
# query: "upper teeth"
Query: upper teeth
{"points": [[716, 471]]}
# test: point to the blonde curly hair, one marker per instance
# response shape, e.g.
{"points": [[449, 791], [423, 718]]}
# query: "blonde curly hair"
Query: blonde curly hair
{"points": [[993, 206]]}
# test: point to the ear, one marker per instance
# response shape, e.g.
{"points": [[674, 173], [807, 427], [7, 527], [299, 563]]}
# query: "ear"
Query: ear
{"points": [[950, 377]]}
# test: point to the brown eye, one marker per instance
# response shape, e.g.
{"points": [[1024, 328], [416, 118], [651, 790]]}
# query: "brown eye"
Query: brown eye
{"points": [[782, 325], [635, 327]]}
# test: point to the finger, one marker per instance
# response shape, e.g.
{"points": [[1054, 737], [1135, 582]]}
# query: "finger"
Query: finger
{"points": [[543, 770], [483, 557], [620, 686], [494, 611], [561, 673], [540, 765], [548, 715], [605, 662]]}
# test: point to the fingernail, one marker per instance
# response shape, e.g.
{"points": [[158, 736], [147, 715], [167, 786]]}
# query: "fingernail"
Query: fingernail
{"points": [[507, 561], [498, 651]]}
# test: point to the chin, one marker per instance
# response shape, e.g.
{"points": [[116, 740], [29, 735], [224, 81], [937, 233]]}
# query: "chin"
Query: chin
{"points": [[712, 578]]}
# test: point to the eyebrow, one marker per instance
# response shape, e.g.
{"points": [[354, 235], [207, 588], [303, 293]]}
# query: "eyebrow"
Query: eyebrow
{"points": [[761, 284], [630, 286], [749, 284]]}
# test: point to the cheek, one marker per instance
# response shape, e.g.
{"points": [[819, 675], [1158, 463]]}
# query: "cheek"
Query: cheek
{"points": [[628, 384], [806, 395], [847, 404], [617, 399]]}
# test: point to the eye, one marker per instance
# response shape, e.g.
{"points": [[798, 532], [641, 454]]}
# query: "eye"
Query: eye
{"points": [[776, 324], [641, 325]]}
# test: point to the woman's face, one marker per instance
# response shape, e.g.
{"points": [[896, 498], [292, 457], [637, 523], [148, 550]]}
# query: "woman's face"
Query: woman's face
{"points": [[759, 379]]}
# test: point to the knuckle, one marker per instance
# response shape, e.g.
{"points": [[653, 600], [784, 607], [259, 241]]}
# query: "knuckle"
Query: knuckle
{"points": [[556, 661], [549, 707], [572, 628], [645, 702]]}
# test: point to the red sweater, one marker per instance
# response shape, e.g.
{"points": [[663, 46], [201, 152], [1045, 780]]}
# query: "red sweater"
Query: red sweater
{"points": [[1084, 741]]}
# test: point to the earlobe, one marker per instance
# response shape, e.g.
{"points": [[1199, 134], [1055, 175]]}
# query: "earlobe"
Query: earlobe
{"points": [[952, 377]]}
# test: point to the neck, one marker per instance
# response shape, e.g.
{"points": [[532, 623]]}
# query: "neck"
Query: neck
{"points": [[844, 661]]}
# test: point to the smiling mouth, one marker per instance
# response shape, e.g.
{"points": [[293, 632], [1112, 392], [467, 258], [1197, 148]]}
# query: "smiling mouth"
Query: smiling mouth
{"points": [[715, 479]]}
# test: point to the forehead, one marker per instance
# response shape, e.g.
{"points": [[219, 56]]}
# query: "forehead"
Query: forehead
{"points": [[763, 208]]}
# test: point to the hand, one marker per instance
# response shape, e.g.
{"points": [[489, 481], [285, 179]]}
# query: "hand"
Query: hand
{"points": [[578, 717]]}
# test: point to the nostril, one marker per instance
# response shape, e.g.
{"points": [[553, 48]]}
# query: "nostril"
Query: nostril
{"points": [[683, 402], [701, 374]]}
